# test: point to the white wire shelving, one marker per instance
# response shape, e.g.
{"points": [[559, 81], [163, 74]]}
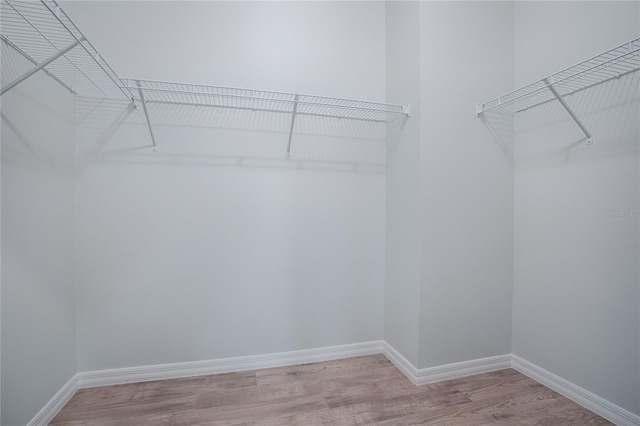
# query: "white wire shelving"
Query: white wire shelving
{"points": [[612, 64], [44, 35], [150, 92]]}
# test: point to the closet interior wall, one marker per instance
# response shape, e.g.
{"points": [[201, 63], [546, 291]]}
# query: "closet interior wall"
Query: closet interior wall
{"points": [[466, 238], [403, 211], [449, 184], [577, 239], [466, 180], [216, 246], [37, 237]]}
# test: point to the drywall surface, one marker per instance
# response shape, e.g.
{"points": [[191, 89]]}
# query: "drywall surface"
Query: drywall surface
{"points": [[217, 245], [576, 291], [466, 182], [323, 48], [38, 293], [403, 221]]}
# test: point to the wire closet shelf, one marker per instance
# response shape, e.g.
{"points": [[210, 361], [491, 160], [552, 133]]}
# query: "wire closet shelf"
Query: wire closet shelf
{"points": [[48, 40], [186, 94], [160, 92], [612, 64], [44, 35]]}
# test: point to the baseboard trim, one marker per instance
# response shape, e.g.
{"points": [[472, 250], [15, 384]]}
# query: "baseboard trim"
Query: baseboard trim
{"points": [[463, 369], [441, 373], [590, 401], [400, 362], [226, 365], [56, 403]]}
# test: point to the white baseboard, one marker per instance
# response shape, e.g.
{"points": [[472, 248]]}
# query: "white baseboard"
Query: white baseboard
{"points": [[590, 401], [226, 365], [440, 373], [56, 403], [463, 369], [400, 362]]}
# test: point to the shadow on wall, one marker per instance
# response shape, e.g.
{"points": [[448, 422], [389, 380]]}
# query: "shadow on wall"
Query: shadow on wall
{"points": [[500, 126], [110, 130], [113, 131], [24, 143], [546, 134]]}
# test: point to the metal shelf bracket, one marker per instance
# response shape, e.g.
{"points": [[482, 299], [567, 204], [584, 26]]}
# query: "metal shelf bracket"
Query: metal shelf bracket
{"points": [[293, 121], [38, 67], [479, 109], [292, 105], [611, 65], [146, 114], [39, 30], [549, 82], [43, 34], [34, 62]]}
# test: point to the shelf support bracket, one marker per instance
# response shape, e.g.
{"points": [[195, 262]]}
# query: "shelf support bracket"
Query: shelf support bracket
{"points": [[573, 115], [38, 67], [146, 114], [293, 121], [34, 62]]}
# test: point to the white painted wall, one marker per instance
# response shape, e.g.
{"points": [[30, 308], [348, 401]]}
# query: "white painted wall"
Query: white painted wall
{"points": [[329, 48], [576, 291], [402, 290], [38, 292], [216, 246], [466, 183], [449, 183]]}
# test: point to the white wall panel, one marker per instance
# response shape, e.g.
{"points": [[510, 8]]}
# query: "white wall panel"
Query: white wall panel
{"points": [[38, 292], [217, 246], [576, 291]]}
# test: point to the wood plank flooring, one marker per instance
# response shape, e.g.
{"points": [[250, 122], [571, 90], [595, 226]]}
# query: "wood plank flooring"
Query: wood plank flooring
{"points": [[366, 390]]}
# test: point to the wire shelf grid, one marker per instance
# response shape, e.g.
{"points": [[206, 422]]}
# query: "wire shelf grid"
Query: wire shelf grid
{"points": [[44, 35], [261, 100], [40, 30], [613, 64]]}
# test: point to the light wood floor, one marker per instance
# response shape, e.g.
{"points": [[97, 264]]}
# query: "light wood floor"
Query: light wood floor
{"points": [[356, 391]]}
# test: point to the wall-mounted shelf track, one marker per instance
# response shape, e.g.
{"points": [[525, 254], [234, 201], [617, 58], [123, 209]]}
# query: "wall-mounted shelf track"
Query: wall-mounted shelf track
{"points": [[612, 64], [48, 40], [160, 92]]}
